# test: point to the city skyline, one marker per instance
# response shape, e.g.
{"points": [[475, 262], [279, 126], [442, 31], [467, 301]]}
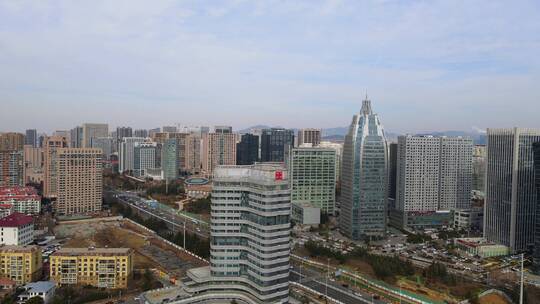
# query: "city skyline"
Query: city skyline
{"points": [[146, 64]]}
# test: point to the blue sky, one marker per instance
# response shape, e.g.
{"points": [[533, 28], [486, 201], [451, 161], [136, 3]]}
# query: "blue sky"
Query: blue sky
{"points": [[426, 65]]}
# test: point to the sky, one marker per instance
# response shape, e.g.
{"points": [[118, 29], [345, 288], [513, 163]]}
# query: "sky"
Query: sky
{"points": [[426, 65]]}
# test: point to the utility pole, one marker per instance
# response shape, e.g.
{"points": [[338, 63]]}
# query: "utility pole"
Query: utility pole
{"points": [[521, 284], [185, 234]]}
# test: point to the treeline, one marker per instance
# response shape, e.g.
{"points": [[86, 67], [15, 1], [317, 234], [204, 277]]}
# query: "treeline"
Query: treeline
{"points": [[437, 272], [384, 266], [418, 238], [200, 206], [174, 188], [194, 243]]}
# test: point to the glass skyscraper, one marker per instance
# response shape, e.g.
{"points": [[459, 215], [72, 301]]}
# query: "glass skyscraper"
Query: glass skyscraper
{"points": [[364, 177], [274, 143], [536, 256], [510, 207], [247, 150]]}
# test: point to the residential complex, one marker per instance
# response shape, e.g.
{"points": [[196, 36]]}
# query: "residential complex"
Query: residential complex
{"points": [[313, 177], [109, 268], [250, 240], [434, 176], [144, 157], [33, 165], [21, 264], [17, 229], [11, 168], [218, 148], [11, 141], [50, 152], [24, 200], [364, 177], [511, 196], [79, 180]]}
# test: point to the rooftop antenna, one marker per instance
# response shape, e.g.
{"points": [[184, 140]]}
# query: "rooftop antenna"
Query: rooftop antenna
{"points": [[366, 106]]}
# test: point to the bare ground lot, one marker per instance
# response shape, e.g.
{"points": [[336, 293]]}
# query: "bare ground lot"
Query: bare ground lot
{"points": [[150, 252]]}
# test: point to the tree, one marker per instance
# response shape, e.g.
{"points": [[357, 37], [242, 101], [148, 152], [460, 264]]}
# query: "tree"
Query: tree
{"points": [[35, 300]]}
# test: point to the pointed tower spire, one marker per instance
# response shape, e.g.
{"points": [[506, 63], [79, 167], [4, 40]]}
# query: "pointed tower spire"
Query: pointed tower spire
{"points": [[366, 107]]}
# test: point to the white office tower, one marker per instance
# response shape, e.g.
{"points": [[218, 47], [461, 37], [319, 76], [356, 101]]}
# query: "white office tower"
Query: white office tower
{"points": [[364, 177], [250, 238], [127, 153]]}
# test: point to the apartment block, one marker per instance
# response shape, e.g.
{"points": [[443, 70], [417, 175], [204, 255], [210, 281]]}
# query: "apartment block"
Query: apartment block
{"points": [[16, 229], [11, 141], [50, 149], [218, 148], [11, 168], [24, 200], [109, 268], [93, 130], [309, 136], [79, 180], [22, 264]]}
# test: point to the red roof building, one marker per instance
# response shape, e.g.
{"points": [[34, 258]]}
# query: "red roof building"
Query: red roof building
{"points": [[15, 220], [17, 229], [24, 199]]}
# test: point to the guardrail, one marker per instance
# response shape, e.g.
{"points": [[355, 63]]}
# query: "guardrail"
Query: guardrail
{"points": [[367, 282], [319, 294]]}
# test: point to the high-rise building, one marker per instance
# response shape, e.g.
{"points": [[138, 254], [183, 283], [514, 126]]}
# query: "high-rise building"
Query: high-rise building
{"points": [[313, 177], [193, 153], [31, 138], [479, 168], [11, 168], [50, 170], [511, 196], [168, 129], [247, 150], [93, 130], [338, 147], [434, 174], [536, 251], [309, 136], [151, 132], [122, 132], [218, 148], [181, 141], [33, 165], [169, 159], [275, 144], [76, 137], [11, 141], [105, 144], [364, 184], [79, 180], [392, 170], [144, 157], [126, 153], [140, 133], [250, 241]]}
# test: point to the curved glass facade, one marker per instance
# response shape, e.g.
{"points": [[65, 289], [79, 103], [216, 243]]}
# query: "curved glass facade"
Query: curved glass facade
{"points": [[364, 177]]}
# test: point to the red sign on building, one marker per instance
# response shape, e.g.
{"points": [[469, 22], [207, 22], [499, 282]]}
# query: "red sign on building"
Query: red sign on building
{"points": [[279, 175]]}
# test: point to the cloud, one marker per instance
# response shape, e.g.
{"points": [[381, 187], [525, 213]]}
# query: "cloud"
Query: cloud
{"points": [[426, 65]]}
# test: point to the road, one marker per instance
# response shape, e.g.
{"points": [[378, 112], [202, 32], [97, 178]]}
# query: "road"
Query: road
{"points": [[317, 281], [193, 226]]}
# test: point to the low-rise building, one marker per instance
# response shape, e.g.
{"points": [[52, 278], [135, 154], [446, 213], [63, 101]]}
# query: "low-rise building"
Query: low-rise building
{"points": [[5, 210], [470, 219], [303, 213], [481, 247], [16, 229], [24, 199], [99, 267], [42, 289], [21, 264]]}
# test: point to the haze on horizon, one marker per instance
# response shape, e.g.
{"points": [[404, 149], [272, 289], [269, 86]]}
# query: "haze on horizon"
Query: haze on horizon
{"points": [[426, 65]]}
